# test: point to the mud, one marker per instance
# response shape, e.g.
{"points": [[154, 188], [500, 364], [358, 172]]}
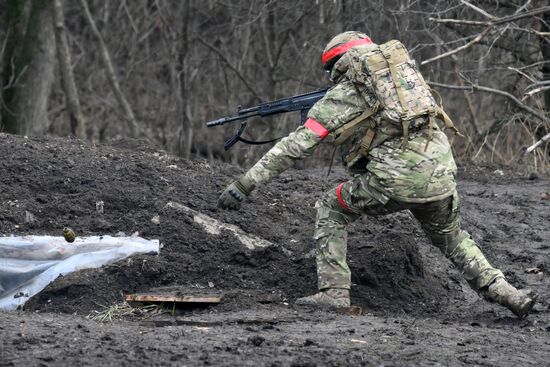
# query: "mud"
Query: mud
{"points": [[418, 309]]}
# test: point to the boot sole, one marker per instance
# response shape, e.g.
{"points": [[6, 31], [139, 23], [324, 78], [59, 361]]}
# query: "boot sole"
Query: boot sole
{"points": [[310, 305], [344, 310], [526, 308]]}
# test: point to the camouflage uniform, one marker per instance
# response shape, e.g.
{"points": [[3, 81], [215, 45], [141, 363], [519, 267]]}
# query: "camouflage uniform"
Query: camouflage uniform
{"points": [[418, 178]]}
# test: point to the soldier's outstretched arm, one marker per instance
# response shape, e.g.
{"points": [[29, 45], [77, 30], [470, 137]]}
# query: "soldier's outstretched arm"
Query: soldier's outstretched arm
{"points": [[297, 145], [339, 105]]}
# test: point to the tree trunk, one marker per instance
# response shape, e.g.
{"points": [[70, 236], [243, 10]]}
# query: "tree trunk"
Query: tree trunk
{"points": [[186, 140], [111, 75], [29, 79], [15, 20], [77, 124]]}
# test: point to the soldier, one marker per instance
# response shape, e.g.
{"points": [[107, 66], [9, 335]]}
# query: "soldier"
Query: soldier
{"points": [[383, 116]]}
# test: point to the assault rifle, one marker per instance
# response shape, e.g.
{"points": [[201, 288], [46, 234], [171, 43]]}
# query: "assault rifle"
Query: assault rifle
{"points": [[301, 102]]}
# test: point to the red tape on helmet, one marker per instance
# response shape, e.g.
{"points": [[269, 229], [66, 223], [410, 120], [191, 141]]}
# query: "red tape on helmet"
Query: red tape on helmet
{"points": [[316, 127], [343, 49]]}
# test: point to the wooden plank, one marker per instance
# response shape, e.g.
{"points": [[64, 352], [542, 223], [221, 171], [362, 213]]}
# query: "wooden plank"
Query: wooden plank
{"points": [[172, 298]]}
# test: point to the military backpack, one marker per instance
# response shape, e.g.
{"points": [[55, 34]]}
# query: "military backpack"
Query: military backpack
{"points": [[389, 80]]}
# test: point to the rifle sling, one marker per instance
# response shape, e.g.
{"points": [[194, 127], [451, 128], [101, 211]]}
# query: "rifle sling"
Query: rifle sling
{"points": [[237, 137], [251, 142]]}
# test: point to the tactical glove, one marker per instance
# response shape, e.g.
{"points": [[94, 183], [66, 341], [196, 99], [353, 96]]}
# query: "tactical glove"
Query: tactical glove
{"points": [[234, 194]]}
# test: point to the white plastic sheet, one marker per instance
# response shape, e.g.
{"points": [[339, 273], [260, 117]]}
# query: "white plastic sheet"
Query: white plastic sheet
{"points": [[28, 264]]}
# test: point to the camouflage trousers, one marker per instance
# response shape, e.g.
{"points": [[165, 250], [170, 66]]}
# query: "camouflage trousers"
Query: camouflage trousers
{"points": [[440, 220]]}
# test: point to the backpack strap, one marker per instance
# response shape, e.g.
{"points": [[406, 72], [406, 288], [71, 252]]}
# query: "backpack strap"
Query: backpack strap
{"points": [[442, 115], [366, 141], [345, 131], [405, 124], [391, 52], [431, 124]]}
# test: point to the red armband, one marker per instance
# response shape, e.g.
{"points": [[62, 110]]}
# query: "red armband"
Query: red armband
{"points": [[339, 196], [316, 127]]}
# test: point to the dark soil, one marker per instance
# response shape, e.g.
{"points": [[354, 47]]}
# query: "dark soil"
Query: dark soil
{"points": [[418, 309]]}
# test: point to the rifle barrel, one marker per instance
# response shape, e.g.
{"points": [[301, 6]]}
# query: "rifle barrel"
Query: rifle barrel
{"points": [[225, 120]]}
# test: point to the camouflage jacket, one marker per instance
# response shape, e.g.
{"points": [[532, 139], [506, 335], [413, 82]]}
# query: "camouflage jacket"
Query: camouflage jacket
{"points": [[414, 174]]}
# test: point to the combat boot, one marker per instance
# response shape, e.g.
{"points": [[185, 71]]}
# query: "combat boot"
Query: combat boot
{"points": [[520, 302], [329, 298]]}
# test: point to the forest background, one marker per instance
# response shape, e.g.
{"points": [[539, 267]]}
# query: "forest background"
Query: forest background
{"points": [[159, 69]]}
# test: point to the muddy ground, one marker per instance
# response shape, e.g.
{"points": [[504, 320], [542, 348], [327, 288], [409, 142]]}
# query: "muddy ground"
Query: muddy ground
{"points": [[417, 309]]}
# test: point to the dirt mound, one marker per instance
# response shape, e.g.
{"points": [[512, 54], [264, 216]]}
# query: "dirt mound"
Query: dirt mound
{"points": [[423, 313], [59, 181]]}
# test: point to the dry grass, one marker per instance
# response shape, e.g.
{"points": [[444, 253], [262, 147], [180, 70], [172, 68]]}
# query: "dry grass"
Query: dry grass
{"points": [[121, 310]]}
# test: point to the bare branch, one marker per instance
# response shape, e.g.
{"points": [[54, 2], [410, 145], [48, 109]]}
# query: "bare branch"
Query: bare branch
{"points": [[228, 63], [511, 18], [538, 63], [495, 21], [5, 43], [458, 49], [536, 90], [460, 21], [132, 22], [538, 84], [531, 79], [471, 108], [479, 10], [523, 7], [480, 88], [538, 143]]}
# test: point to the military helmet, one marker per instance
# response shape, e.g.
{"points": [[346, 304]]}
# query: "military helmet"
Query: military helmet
{"points": [[340, 44]]}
